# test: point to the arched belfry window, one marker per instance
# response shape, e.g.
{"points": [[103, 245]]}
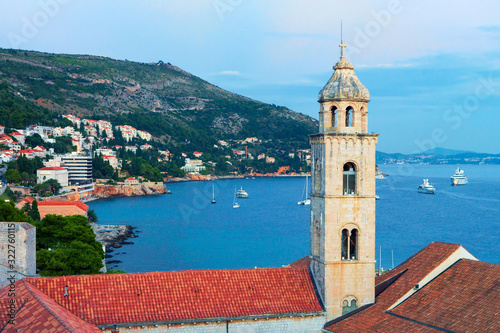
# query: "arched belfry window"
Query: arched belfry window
{"points": [[353, 245], [349, 114], [334, 116], [349, 246], [349, 305], [349, 175]]}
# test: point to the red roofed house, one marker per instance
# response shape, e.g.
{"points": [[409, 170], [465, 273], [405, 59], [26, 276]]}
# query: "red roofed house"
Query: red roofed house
{"points": [[197, 153], [58, 173], [64, 208], [24, 201], [28, 153], [131, 181], [442, 288], [18, 136]]}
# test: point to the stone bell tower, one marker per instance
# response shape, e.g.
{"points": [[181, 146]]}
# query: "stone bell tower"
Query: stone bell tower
{"points": [[343, 195]]}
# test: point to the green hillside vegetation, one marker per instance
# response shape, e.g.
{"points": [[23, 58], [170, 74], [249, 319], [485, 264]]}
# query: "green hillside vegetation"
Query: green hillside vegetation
{"points": [[172, 104]]}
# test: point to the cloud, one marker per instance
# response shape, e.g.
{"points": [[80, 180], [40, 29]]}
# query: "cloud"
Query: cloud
{"points": [[229, 73]]}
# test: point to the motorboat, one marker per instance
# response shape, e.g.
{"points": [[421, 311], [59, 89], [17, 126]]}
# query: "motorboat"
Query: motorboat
{"points": [[426, 188], [379, 176], [241, 193], [459, 178]]}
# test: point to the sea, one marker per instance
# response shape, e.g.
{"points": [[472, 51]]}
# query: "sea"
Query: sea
{"points": [[185, 231]]}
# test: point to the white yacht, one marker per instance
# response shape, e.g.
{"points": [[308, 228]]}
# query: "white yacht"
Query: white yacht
{"points": [[426, 188], [379, 176], [305, 200], [241, 193], [235, 204], [459, 178]]}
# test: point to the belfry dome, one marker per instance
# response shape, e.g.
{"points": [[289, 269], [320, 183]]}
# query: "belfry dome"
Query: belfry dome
{"points": [[344, 84]]}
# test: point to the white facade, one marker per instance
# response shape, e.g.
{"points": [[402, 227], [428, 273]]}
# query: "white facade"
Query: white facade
{"points": [[58, 173]]}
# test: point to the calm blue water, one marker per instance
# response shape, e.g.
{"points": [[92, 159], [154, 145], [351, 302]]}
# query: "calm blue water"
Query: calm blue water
{"points": [[184, 231]]}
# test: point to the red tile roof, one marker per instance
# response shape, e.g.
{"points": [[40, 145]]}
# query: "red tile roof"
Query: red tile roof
{"points": [[464, 298], [78, 204], [413, 270], [64, 208], [52, 168], [28, 199], [37, 313], [184, 295], [301, 263]]}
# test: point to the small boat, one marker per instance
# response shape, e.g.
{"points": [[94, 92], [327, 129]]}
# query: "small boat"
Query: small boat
{"points": [[426, 188], [459, 178], [305, 200], [241, 193], [377, 197], [235, 204], [213, 193], [379, 176]]}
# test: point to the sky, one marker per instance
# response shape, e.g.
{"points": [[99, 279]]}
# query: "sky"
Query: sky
{"points": [[432, 67]]}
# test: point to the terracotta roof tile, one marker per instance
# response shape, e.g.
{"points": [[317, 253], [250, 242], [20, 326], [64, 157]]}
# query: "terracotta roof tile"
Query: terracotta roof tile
{"points": [[78, 204], [375, 318], [37, 313], [464, 298], [301, 263], [184, 295], [52, 168], [64, 208]]}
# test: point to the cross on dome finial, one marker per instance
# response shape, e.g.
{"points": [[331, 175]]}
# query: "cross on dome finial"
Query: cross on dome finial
{"points": [[343, 46]]}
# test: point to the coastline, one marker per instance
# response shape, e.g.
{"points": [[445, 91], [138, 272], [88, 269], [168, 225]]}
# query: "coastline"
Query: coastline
{"points": [[113, 237], [197, 178]]}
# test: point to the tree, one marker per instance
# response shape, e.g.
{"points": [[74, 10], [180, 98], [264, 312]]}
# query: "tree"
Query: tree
{"points": [[9, 213], [66, 245], [74, 259], [13, 176], [92, 216], [33, 212]]}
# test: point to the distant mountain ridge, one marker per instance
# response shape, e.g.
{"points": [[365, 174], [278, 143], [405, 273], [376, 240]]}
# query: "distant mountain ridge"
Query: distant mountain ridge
{"points": [[158, 97], [439, 156]]}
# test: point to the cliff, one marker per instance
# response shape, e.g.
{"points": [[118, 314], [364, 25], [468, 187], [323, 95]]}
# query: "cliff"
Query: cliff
{"points": [[107, 191]]}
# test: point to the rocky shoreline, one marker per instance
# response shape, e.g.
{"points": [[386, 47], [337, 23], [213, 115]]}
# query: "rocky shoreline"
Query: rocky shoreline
{"points": [[113, 237], [102, 191]]}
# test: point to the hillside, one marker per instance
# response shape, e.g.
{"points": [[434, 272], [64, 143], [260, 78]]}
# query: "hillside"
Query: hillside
{"points": [[161, 98], [439, 156]]}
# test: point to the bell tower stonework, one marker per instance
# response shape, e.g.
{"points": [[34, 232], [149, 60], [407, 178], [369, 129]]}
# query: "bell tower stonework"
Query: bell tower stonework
{"points": [[343, 195]]}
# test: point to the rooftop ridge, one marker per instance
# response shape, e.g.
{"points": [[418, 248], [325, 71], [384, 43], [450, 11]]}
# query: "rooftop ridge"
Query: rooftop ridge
{"points": [[46, 307]]}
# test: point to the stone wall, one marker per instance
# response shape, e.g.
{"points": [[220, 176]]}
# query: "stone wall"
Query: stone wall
{"points": [[307, 324], [21, 237]]}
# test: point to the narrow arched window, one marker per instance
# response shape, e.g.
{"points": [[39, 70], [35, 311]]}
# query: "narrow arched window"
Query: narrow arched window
{"points": [[349, 246], [345, 245], [349, 179], [349, 305], [353, 245], [349, 113], [334, 116]]}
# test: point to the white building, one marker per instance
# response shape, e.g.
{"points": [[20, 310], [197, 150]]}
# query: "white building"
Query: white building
{"points": [[58, 173], [193, 166]]}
